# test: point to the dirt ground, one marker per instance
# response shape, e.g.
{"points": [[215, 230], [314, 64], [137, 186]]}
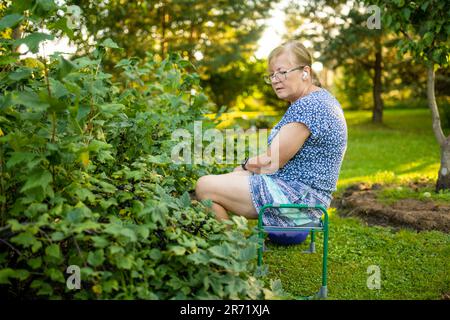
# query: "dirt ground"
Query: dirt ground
{"points": [[360, 200]]}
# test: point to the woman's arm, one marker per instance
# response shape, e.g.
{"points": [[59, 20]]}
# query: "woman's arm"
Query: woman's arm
{"points": [[284, 146]]}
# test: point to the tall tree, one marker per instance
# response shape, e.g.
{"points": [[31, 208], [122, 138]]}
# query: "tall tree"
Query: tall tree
{"points": [[218, 36], [425, 30], [338, 30]]}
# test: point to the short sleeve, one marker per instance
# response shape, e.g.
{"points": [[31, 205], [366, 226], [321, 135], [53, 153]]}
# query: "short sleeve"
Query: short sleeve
{"points": [[272, 134], [312, 115]]}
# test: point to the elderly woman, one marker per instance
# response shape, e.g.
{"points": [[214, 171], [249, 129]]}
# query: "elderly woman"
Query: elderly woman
{"points": [[304, 154]]}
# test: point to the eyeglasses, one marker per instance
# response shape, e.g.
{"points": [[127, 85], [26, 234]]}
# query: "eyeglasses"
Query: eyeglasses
{"points": [[280, 75]]}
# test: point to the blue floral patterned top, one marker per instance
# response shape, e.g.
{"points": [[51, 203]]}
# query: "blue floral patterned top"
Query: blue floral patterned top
{"points": [[318, 162]]}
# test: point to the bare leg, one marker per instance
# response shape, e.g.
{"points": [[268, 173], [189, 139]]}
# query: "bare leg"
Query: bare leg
{"points": [[220, 212], [228, 191]]}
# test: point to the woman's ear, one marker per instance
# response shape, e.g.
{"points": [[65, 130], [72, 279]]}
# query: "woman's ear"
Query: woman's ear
{"points": [[307, 71]]}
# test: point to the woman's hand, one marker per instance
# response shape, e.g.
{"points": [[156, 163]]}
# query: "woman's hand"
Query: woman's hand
{"points": [[260, 164], [241, 171]]}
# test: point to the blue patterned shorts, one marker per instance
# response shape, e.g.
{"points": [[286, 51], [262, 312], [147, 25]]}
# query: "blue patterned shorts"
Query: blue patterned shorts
{"points": [[267, 189]]}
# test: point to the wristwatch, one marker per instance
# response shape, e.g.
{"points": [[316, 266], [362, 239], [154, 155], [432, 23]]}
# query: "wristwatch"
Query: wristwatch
{"points": [[244, 163]]}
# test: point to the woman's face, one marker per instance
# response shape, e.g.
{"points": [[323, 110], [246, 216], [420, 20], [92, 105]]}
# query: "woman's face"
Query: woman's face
{"points": [[291, 88]]}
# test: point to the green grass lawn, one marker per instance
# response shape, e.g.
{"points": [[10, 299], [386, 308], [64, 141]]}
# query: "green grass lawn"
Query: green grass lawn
{"points": [[401, 149], [412, 265]]}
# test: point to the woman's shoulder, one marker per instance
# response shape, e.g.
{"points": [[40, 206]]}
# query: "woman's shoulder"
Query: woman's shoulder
{"points": [[321, 97], [319, 105]]}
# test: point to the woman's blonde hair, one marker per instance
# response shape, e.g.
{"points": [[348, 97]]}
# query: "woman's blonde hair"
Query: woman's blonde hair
{"points": [[299, 52]]}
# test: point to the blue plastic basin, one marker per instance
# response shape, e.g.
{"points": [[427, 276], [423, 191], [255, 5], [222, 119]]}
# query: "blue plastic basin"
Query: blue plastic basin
{"points": [[287, 238]]}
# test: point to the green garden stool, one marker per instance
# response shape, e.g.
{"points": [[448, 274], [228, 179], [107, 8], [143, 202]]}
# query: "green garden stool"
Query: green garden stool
{"points": [[321, 226]]}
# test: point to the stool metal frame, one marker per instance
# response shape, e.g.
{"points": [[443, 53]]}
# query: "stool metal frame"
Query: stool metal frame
{"points": [[320, 227]]}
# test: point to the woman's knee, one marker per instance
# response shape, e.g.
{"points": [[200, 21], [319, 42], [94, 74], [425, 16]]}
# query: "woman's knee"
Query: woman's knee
{"points": [[203, 187]]}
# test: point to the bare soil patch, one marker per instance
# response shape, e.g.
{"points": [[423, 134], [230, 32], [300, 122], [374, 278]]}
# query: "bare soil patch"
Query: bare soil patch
{"points": [[360, 200]]}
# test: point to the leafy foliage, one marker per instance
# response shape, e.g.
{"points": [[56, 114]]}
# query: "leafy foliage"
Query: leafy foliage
{"points": [[86, 180], [424, 24], [220, 37]]}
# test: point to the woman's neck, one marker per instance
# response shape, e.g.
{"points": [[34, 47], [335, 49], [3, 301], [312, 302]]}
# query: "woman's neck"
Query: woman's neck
{"points": [[311, 88]]}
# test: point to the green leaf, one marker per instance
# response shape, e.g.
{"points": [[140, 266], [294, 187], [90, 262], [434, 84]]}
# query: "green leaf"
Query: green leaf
{"points": [[44, 288], [428, 38], [199, 258], [124, 262], [61, 24], [21, 73], [64, 67], [55, 275], [16, 225], [57, 236], [388, 20], [75, 216], [58, 89], [19, 157], [30, 100], [105, 204], [108, 43], [39, 178], [200, 100], [248, 253], [155, 254], [20, 6], [107, 187], [85, 194], [46, 5], [100, 242], [84, 62], [32, 41], [425, 5], [221, 263], [10, 21], [7, 59], [36, 246], [26, 239], [111, 109], [7, 273], [83, 111], [110, 285], [115, 250], [142, 231], [185, 200], [96, 145], [35, 263], [221, 251], [177, 250], [86, 225], [276, 286], [113, 229], [129, 234], [56, 104], [86, 272], [406, 12], [36, 209], [53, 251], [96, 258]]}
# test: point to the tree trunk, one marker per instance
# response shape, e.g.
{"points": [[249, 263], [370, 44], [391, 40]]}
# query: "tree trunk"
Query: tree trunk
{"points": [[17, 34], [191, 42], [164, 20], [443, 181], [378, 105]]}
